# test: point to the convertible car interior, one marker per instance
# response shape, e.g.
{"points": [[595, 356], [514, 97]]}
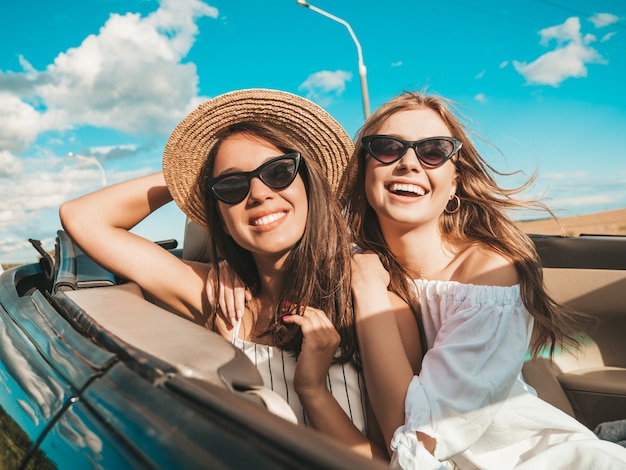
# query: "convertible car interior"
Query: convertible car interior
{"points": [[588, 273], [94, 373]]}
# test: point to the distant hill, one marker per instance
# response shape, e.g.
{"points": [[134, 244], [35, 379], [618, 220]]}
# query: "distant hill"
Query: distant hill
{"points": [[600, 223]]}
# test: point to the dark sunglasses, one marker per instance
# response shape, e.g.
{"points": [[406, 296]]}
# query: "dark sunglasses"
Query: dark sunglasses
{"points": [[277, 173], [432, 152]]}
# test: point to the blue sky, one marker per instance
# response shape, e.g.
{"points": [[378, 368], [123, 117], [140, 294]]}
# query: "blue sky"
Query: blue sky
{"points": [[109, 79]]}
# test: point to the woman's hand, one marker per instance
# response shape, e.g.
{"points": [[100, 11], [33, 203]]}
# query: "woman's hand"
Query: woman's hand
{"points": [[231, 295], [319, 345], [369, 281], [320, 341], [367, 270]]}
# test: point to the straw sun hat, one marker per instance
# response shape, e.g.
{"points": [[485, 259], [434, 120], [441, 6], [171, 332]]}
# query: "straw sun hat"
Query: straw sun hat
{"points": [[191, 141]]}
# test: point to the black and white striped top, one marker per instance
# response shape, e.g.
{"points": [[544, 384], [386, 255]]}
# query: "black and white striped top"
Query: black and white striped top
{"points": [[277, 367]]}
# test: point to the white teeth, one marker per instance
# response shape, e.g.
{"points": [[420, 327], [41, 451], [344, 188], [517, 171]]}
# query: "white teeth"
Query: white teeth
{"points": [[268, 219], [407, 188]]}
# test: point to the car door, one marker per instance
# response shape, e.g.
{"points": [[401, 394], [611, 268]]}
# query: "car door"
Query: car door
{"points": [[76, 395]]}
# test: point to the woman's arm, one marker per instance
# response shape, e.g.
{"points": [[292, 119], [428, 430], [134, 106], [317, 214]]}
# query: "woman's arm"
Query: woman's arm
{"points": [[389, 341], [99, 223]]}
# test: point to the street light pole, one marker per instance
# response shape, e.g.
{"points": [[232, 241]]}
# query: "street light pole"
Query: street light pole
{"points": [[362, 69], [92, 160]]}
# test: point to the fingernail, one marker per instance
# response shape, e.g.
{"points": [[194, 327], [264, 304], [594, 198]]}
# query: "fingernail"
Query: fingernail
{"points": [[233, 321], [286, 305], [239, 314], [285, 316]]}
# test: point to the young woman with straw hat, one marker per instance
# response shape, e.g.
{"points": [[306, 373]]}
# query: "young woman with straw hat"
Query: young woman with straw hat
{"points": [[260, 168]]}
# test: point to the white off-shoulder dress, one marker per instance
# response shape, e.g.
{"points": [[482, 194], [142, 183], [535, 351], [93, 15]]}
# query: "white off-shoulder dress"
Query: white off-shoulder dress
{"points": [[470, 395], [277, 367]]}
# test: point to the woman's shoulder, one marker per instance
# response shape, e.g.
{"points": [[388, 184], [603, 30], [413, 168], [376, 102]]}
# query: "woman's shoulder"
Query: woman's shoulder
{"points": [[481, 276], [481, 265]]}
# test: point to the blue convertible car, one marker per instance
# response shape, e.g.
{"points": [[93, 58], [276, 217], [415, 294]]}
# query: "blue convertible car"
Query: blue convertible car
{"points": [[95, 375]]}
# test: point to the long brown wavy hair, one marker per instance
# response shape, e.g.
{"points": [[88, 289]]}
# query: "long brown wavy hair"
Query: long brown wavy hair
{"points": [[481, 218], [318, 266]]}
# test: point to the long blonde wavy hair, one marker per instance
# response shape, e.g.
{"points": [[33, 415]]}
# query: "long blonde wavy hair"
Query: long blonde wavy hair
{"points": [[481, 218]]}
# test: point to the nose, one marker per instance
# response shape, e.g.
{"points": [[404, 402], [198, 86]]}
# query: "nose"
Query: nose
{"points": [[409, 161], [259, 191]]}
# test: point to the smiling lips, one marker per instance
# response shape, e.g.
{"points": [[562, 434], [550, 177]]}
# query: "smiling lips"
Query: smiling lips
{"points": [[268, 219], [406, 189]]}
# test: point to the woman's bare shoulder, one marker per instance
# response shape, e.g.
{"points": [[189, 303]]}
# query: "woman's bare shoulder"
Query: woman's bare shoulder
{"points": [[482, 265]]}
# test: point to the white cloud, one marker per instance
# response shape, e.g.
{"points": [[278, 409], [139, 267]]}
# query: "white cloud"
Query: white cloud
{"points": [[111, 152], [10, 166], [42, 183], [589, 200], [480, 75], [504, 64], [322, 86], [129, 77], [600, 20], [19, 122], [481, 98], [568, 31], [31, 198], [397, 64], [567, 175], [14, 245], [582, 189], [108, 149], [607, 36], [568, 60]]}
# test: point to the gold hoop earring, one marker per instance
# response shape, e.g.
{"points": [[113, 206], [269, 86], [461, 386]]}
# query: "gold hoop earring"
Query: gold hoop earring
{"points": [[456, 207]]}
